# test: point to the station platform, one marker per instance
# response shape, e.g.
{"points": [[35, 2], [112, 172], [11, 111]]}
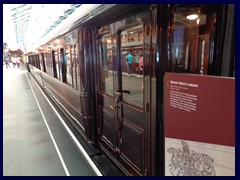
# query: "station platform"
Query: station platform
{"points": [[37, 140]]}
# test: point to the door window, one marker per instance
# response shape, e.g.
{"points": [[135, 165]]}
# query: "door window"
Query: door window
{"points": [[132, 62], [77, 66], [49, 63], [191, 39], [106, 64], [57, 63], [68, 63]]}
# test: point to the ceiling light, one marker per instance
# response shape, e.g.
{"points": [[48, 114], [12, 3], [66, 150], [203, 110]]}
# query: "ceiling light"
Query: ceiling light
{"points": [[192, 16]]}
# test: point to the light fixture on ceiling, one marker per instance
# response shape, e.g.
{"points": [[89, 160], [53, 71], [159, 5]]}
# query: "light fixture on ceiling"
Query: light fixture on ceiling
{"points": [[192, 16]]}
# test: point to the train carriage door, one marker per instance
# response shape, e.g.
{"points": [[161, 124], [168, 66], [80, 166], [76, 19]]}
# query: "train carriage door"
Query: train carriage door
{"points": [[123, 105], [106, 86]]}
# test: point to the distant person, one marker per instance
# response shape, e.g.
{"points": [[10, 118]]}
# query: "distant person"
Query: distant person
{"points": [[140, 66], [129, 58], [18, 61], [7, 59], [14, 61]]}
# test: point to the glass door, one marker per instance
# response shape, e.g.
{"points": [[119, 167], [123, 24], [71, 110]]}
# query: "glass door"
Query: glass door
{"points": [[107, 111], [123, 121]]}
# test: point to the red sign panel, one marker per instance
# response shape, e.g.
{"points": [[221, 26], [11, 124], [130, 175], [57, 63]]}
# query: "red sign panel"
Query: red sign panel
{"points": [[200, 108]]}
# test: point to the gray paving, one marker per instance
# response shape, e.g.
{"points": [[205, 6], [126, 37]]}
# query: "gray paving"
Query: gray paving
{"points": [[28, 149]]}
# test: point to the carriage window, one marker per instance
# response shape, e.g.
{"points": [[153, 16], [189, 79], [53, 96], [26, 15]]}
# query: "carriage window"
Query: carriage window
{"points": [[190, 40], [38, 61], [41, 61], [73, 67], [60, 64], [49, 63], [57, 63], [68, 63], [77, 66], [106, 64], [132, 64]]}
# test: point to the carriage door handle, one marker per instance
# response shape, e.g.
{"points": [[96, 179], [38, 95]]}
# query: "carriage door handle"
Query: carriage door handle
{"points": [[117, 95], [125, 91]]}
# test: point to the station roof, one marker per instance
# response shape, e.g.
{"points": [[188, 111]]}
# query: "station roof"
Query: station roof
{"points": [[34, 21]]}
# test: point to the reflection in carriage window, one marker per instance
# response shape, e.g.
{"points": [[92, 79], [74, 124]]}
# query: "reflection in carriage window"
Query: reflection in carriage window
{"points": [[56, 53], [77, 66], [49, 63], [190, 39], [68, 62], [106, 64], [132, 69]]}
